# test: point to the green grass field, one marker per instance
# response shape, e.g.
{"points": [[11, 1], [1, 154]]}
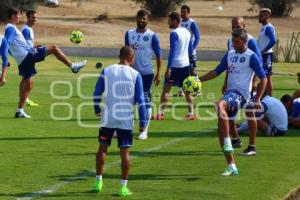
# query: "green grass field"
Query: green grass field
{"points": [[181, 160]]}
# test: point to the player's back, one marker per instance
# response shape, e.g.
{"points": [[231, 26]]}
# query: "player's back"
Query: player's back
{"points": [[275, 112], [119, 96], [181, 53]]}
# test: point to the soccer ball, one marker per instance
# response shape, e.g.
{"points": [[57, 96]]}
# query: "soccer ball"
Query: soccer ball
{"points": [[76, 37], [191, 84]]}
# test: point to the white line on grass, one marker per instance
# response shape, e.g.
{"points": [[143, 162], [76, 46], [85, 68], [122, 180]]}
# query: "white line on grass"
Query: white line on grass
{"points": [[83, 175]]}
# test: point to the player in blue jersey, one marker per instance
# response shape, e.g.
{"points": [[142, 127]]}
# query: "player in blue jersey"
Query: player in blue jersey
{"points": [[28, 34], [293, 108], [238, 23], [178, 67], [122, 87], [4, 57], [192, 26], [144, 42], [266, 40], [241, 64], [26, 57]]}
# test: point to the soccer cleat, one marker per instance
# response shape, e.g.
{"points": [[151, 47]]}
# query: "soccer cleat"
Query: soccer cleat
{"points": [[31, 103], [189, 117], [158, 117], [21, 115], [143, 136], [124, 191], [227, 148], [98, 186], [75, 67], [250, 151], [236, 143], [229, 172]]}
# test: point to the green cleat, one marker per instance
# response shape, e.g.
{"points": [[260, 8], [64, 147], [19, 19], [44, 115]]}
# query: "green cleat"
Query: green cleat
{"points": [[124, 191], [227, 148], [230, 172], [98, 186], [31, 104]]}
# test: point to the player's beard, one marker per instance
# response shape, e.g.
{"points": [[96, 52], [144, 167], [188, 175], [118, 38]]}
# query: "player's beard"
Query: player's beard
{"points": [[141, 25]]}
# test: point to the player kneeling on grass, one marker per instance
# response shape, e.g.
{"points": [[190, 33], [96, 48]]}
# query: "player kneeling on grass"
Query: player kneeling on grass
{"points": [[293, 108], [122, 87], [240, 64], [26, 57], [272, 121]]}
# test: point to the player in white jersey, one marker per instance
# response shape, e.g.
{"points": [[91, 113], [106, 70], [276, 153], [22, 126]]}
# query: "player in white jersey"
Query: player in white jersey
{"points": [[26, 57], [266, 40], [293, 109], [122, 88], [178, 67], [241, 64], [145, 42], [192, 26], [272, 120], [238, 23], [28, 34], [4, 57]]}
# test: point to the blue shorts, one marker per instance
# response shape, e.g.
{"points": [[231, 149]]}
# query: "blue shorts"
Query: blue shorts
{"points": [[125, 137], [177, 76], [234, 101], [274, 131], [147, 84], [27, 67], [267, 63]]}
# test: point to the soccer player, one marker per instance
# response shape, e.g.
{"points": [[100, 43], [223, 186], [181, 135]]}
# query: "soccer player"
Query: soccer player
{"points": [[272, 121], [297, 92], [28, 34], [238, 23], [26, 57], [4, 57], [193, 28], [241, 64], [266, 40], [144, 42], [293, 108], [122, 87], [178, 65]]}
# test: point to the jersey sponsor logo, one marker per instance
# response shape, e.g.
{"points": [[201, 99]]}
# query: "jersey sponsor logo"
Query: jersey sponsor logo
{"points": [[146, 38], [242, 59]]}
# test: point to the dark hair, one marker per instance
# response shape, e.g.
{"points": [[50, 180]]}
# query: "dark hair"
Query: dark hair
{"points": [[298, 74], [12, 11], [175, 16], [142, 13], [186, 7], [286, 98], [241, 33], [125, 51], [30, 12]]}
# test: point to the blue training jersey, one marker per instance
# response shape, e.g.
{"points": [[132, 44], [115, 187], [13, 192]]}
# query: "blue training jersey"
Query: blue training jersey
{"points": [[18, 46], [28, 34], [180, 48], [296, 108], [241, 68], [4, 51], [143, 44], [192, 26], [122, 88], [267, 38]]}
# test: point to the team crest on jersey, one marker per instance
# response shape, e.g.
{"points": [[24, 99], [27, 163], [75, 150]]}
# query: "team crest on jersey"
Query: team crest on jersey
{"points": [[133, 37], [242, 59], [146, 38]]}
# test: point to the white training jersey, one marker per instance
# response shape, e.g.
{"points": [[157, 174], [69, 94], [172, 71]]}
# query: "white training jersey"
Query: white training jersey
{"points": [[275, 112], [263, 39], [18, 46], [119, 97], [188, 25], [144, 44], [179, 56], [28, 34]]}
